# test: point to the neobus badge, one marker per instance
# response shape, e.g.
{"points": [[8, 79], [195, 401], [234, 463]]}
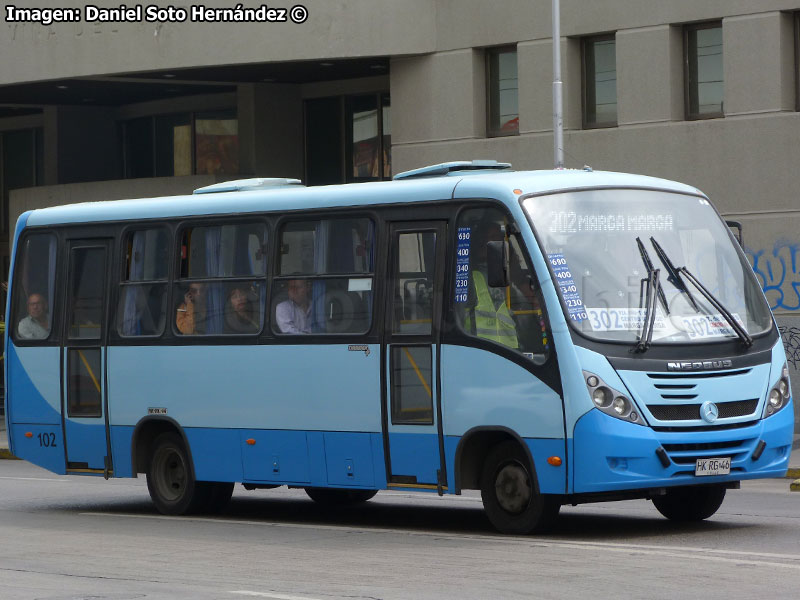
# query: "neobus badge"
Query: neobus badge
{"points": [[700, 365], [359, 348], [156, 411]]}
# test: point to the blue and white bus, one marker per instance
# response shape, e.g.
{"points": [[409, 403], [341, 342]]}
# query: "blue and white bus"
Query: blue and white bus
{"points": [[545, 337]]}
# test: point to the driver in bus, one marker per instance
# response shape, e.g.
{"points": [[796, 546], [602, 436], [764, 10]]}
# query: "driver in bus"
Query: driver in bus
{"points": [[489, 317], [35, 326]]}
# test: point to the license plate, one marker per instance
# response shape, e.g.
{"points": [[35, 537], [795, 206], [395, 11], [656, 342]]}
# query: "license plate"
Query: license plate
{"points": [[712, 466]]}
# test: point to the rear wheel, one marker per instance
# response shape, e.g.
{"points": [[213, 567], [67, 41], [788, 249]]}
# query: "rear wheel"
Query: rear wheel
{"points": [[509, 496], [339, 497], [693, 503], [218, 494], [170, 480]]}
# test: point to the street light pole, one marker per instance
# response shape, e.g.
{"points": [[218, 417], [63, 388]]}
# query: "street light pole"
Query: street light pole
{"points": [[558, 121]]}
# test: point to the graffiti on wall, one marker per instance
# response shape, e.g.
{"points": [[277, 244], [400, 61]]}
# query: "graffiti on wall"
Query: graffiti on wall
{"points": [[791, 341], [778, 272]]}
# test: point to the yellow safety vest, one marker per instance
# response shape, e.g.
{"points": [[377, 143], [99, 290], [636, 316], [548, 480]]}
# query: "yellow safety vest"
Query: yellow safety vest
{"points": [[490, 323]]}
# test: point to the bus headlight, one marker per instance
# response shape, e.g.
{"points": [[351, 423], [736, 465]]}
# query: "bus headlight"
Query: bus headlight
{"points": [[601, 397], [612, 402], [779, 394]]}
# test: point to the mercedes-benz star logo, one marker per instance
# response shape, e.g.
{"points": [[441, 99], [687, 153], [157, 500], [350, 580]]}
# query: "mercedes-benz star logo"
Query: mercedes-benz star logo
{"points": [[709, 411]]}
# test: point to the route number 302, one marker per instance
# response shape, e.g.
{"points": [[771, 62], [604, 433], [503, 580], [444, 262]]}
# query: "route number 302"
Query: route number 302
{"points": [[47, 440]]}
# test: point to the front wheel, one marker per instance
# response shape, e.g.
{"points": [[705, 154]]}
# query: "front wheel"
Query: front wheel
{"points": [[509, 496], [693, 503], [339, 497]]}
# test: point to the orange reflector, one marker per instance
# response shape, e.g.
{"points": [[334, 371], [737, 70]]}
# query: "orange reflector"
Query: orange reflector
{"points": [[28, 434], [251, 442], [554, 460], [517, 191]]}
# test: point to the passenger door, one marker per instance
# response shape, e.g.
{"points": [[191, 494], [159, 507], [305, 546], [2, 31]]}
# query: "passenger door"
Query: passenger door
{"points": [[84, 404], [412, 412]]}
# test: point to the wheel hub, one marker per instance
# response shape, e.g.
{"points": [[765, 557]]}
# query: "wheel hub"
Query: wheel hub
{"points": [[512, 488]]}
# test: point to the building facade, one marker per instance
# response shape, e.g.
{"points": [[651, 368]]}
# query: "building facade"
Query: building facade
{"points": [[129, 106]]}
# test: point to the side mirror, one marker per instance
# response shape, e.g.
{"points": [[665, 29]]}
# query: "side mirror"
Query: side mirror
{"points": [[497, 267], [738, 231]]}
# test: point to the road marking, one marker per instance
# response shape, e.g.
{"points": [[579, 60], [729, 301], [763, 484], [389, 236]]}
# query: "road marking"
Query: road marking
{"points": [[271, 595], [763, 559], [35, 479]]}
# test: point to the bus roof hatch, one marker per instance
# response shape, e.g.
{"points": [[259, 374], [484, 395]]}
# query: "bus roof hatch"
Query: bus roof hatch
{"points": [[457, 165], [245, 185]]}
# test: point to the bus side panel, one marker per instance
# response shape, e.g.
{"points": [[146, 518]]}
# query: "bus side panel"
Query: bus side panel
{"points": [[269, 456], [121, 438], [483, 389], [270, 387], [43, 445], [215, 453], [34, 390], [552, 479], [349, 459]]}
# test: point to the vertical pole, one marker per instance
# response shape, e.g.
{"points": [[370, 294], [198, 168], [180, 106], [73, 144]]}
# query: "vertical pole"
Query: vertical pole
{"points": [[558, 121]]}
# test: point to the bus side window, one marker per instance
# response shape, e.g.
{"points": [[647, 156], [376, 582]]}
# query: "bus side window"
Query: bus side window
{"points": [[222, 288], [35, 286], [325, 277], [511, 316], [143, 295]]}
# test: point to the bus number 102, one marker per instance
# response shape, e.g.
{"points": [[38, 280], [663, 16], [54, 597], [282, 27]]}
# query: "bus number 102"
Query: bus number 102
{"points": [[47, 440]]}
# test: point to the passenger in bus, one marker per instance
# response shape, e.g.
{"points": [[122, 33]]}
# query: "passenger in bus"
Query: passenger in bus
{"points": [[239, 313], [35, 326], [293, 315], [191, 314]]}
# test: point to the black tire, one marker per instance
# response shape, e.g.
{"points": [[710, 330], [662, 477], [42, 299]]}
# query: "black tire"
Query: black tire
{"points": [[339, 497], [170, 478], [509, 494], [217, 495], [693, 503]]}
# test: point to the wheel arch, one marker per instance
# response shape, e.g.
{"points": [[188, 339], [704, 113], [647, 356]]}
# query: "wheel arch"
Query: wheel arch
{"points": [[473, 448], [145, 433]]}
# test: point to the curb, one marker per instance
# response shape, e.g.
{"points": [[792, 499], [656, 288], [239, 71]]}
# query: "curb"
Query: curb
{"points": [[5, 453], [795, 486], [793, 473]]}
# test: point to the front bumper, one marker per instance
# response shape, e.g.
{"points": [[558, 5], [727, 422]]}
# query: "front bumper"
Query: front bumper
{"points": [[613, 455]]}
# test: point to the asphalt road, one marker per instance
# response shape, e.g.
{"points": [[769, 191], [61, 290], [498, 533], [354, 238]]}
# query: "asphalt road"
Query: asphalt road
{"points": [[85, 538]]}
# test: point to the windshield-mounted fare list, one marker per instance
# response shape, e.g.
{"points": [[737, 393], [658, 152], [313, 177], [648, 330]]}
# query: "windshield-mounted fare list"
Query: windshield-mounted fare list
{"points": [[569, 291]]}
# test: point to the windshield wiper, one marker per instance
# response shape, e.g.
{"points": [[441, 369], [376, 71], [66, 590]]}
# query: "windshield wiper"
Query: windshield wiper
{"points": [[674, 273], [648, 264], [653, 289], [677, 271]]}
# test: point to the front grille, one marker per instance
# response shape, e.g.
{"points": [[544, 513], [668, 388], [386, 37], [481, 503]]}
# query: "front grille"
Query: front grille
{"points": [[737, 409], [691, 412], [687, 454], [675, 412]]}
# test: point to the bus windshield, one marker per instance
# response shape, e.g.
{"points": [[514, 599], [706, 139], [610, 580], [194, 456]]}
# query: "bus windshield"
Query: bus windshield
{"points": [[602, 246]]}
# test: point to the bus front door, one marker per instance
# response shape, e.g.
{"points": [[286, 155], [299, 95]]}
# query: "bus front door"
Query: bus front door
{"points": [[84, 406], [412, 425]]}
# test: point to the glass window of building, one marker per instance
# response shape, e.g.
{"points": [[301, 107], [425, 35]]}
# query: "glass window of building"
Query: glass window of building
{"points": [[348, 139], [704, 74], [503, 92], [599, 81], [182, 144], [797, 59], [21, 165], [216, 143]]}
